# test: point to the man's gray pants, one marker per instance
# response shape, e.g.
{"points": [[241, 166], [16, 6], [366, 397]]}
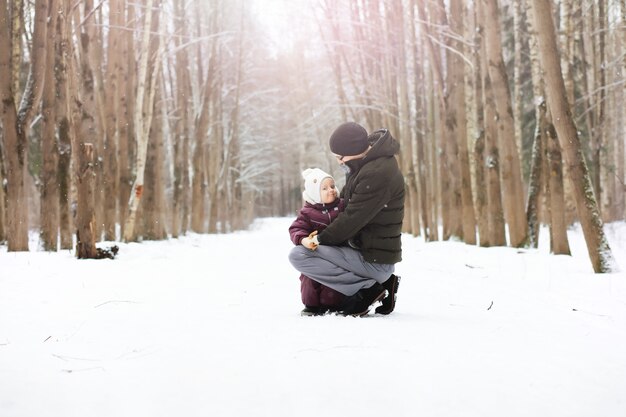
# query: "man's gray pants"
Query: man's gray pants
{"points": [[339, 267]]}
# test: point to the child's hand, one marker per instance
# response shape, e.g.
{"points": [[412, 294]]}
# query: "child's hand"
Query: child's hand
{"points": [[308, 242]]}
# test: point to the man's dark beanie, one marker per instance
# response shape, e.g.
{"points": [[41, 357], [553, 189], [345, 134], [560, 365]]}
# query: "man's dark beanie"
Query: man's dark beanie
{"points": [[348, 139]]}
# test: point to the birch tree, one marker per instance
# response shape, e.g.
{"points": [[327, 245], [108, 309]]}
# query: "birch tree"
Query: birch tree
{"points": [[143, 115]]}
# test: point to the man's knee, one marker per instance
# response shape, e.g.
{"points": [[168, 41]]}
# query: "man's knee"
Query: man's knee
{"points": [[297, 254]]}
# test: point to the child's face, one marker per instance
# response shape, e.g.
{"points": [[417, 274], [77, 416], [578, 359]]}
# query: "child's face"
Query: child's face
{"points": [[328, 191]]}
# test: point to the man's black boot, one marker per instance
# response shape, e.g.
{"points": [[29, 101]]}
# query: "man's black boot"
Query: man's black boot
{"points": [[359, 303], [389, 302]]}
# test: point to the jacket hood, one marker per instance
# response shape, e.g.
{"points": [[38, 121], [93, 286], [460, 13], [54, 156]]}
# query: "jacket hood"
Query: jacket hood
{"points": [[383, 145]]}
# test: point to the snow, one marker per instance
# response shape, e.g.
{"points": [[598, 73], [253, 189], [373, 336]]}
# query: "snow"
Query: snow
{"points": [[209, 325]]}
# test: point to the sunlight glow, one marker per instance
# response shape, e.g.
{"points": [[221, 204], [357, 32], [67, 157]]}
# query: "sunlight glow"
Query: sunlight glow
{"points": [[277, 19]]}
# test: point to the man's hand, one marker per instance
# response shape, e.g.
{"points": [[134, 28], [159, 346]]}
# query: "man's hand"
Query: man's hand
{"points": [[310, 242]]}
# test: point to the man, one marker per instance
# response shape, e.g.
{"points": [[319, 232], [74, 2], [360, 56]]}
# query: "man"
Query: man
{"points": [[357, 252]]}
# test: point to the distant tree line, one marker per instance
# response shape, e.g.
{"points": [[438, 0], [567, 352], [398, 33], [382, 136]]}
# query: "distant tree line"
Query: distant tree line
{"points": [[151, 119]]}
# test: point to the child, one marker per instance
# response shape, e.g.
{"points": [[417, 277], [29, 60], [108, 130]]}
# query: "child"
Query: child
{"points": [[322, 205]]}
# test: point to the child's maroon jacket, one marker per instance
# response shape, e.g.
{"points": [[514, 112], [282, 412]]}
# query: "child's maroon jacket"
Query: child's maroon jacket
{"points": [[313, 217]]}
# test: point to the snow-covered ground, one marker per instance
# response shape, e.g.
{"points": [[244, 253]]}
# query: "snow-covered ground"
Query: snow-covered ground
{"points": [[209, 325]]}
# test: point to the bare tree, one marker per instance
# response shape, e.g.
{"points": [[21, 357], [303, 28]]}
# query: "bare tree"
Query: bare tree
{"points": [[497, 235], [457, 65], [482, 202], [112, 112], [181, 125], [64, 146], [49, 214], [597, 245], [511, 171], [144, 108], [14, 125], [558, 228]]}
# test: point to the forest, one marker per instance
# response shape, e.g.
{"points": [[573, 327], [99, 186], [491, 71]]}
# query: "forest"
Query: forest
{"points": [[147, 120]]}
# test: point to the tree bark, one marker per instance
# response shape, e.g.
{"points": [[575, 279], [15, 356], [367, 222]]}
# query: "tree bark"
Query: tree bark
{"points": [[81, 132], [153, 213], [518, 101], [112, 112], [457, 65], [64, 146], [143, 116], [181, 127], [511, 171], [421, 168], [49, 208], [33, 91], [536, 176], [125, 121], [559, 244], [3, 212], [597, 245], [17, 49], [14, 147], [497, 232], [450, 218], [482, 201], [85, 214]]}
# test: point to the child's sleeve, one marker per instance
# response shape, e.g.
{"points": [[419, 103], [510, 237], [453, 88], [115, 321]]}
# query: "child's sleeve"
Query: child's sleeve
{"points": [[299, 229]]}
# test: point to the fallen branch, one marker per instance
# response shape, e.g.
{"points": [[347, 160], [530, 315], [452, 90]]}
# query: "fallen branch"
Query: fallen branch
{"points": [[116, 301]]}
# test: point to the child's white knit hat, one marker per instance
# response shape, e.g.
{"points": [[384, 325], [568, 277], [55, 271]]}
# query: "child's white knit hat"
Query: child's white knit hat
{"points": [[313, 178]]}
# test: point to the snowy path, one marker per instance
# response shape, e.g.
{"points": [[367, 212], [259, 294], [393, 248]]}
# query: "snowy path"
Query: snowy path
{"points": [[210, 326]]}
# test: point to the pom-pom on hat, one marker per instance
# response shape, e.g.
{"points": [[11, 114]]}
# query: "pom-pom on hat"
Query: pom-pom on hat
{"points": [[349, 139], [313, 178]]}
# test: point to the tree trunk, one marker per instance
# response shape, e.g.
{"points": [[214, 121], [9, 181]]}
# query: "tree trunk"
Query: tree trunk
{"points": [[420, 169], [95, 101], [482, 201], [559, 244], [620, 106], [89, 104], [64, 143], [597, 245], [431, 152], [450, 217], [181, 126], [457, 65], [17, 53], [113, 70], [536, 176], [33, 91], [518, 102], [49, 208], [3, 211], [143, 114], [14, 145], [81, 132], [511, 171], [405, 117], [85, 214], [126, 125], [598, 142], [497, 232], [154, 216]]}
